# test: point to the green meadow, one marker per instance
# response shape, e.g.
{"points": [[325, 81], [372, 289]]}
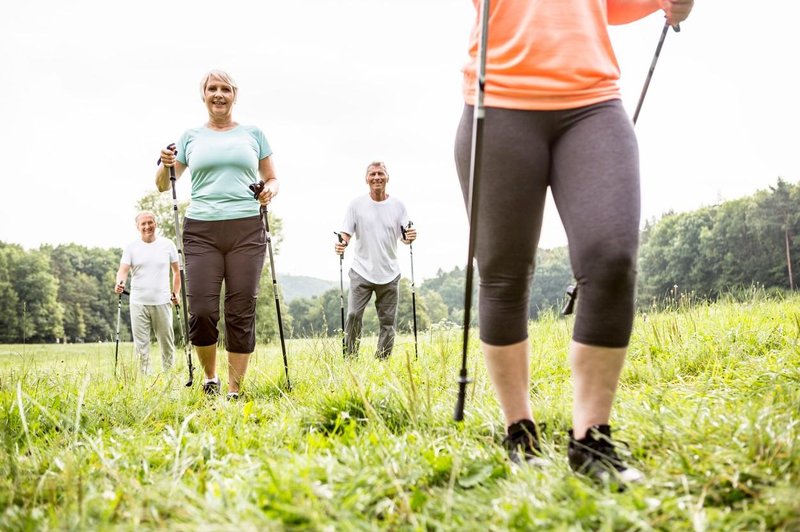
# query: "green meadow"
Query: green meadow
{"points": [[709, 404]]}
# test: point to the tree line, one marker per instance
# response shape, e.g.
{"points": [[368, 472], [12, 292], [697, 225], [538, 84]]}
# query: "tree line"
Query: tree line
{"points": [[64, 293]]}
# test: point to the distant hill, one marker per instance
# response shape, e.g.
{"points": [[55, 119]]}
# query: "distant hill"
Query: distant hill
{"points": [[299, 286]]}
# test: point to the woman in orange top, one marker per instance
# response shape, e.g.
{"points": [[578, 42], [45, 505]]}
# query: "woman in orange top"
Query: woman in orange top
{"points": [[554, 119]]}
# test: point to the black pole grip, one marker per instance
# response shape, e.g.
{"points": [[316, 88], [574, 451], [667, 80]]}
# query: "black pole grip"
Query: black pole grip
{"points": [[256, 188], [569, 306]]}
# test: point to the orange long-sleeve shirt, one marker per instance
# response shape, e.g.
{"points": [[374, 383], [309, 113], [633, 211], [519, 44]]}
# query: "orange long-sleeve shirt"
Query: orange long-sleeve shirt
{"points": [[549, 54]]}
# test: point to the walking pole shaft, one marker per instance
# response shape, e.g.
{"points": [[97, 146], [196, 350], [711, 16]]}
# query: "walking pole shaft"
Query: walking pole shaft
{"points": [[187, 346], [119, 315], [341, 294], [474, 189], [649, 77], [256, 188], [413, 293], [116, 349], [265, 214]]}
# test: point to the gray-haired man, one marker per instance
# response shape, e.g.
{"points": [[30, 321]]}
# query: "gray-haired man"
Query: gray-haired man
{"points": [[376, 221], [149, 260]]}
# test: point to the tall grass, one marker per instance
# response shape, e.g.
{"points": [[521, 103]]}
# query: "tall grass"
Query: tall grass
{"points": [[709, 403]]}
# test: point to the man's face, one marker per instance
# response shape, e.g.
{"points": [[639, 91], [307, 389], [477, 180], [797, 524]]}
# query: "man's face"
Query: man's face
{"points": [[377, 179], [147, 227]]}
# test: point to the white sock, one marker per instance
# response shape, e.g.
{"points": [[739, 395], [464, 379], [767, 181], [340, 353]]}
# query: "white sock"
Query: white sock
{"points": [[215, 379]]}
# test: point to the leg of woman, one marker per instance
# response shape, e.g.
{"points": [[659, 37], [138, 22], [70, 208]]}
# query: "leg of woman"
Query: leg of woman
{"points": [[515, 165], [205, 267], [596, 188], [237, 367], [207, 355], [508, 367], [244, 262]]}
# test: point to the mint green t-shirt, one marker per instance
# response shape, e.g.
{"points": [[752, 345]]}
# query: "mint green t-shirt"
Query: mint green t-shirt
{"points": [[223, 164]]}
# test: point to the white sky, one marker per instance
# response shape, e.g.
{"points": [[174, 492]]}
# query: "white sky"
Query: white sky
{"points": [[94, 89]]}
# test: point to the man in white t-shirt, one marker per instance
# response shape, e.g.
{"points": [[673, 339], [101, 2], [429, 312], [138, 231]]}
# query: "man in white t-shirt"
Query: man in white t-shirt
{"points": [[149, 261], [377, 221]]}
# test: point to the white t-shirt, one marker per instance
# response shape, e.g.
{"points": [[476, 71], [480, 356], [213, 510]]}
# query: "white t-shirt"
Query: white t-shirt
{"points": [[150, 265], [376, 228]]}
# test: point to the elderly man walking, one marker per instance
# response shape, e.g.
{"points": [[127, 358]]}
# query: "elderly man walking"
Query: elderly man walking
{"points": [[149, 260], [377, 221]]}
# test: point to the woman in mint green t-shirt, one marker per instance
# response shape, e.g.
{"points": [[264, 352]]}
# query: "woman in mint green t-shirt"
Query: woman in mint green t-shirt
{"points": [[223, 236]]}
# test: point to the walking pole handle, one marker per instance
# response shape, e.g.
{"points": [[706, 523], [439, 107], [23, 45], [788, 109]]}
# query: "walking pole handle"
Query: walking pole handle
{"points": [[404, 229], [256, 188], [572, 294]]}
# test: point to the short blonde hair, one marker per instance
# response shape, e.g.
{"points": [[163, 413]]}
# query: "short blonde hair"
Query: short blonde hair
{"points": [[378, 164], [224, 76]]}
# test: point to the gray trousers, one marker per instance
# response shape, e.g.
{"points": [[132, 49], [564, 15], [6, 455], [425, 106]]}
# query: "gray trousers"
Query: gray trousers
{"points": [[160, 318], [386, 296]]}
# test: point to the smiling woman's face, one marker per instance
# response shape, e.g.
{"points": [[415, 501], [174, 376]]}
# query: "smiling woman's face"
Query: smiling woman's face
{"points": [[219, 97]]}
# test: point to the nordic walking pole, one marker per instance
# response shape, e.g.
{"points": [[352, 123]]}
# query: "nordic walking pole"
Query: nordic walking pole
{"points": [[572, 290], [119, 315], [256, 188], [664, 31], [474, 182], [187, 346], [413, 290], [341, 292]]}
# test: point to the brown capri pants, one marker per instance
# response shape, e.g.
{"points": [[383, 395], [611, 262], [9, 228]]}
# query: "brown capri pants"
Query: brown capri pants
{"points": [[229, 250]]}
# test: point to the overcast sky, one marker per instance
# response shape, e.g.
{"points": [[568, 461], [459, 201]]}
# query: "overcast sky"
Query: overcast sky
{"points": [[94, 89]]}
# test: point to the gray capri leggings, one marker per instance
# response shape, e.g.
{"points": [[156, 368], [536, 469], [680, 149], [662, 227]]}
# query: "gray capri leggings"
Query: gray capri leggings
{"points": [[232, 250], [590, 160]]}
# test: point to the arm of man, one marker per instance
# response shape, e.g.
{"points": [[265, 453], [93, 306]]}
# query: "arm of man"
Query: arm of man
{"points": [[267, 172], [122, 276], [339, 247], [410, 236], [176, 282]]}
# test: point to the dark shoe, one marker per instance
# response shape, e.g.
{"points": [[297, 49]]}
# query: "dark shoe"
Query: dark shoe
{"points": [[522, 443], [233, 396], [596, 456], [212, 387]]}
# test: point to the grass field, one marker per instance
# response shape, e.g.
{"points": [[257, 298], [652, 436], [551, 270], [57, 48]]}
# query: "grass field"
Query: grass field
{"points": [[709, 404]]}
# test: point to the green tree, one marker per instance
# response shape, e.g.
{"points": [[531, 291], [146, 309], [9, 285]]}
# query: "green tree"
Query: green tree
{"points": [[780, 220], [405, 314], [37, 292], [10, 323], [86, 277], [437, 310]]}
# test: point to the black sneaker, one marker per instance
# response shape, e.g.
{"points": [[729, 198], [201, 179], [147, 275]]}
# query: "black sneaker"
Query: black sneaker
{"points": [[522, 443], [595, 456], [211, 387], [233, 396]]}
